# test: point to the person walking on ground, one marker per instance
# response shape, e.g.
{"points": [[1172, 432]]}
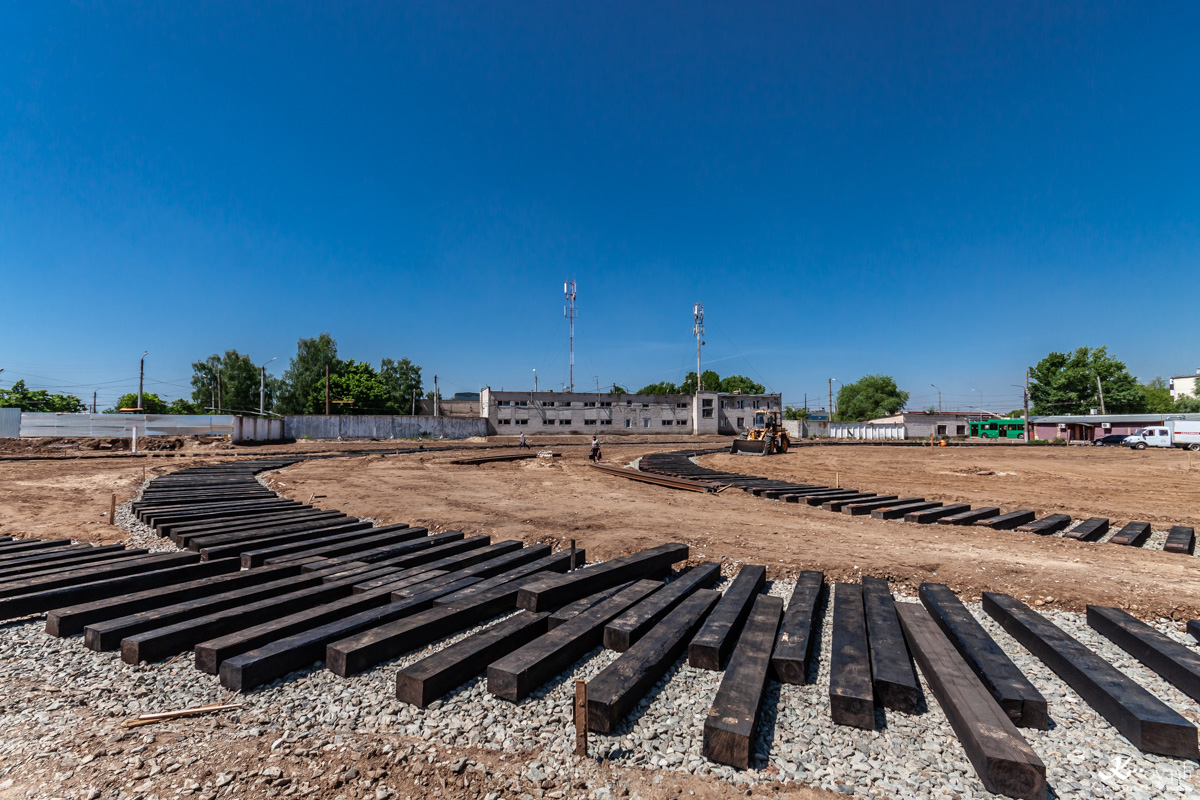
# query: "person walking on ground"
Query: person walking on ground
{"points": [[522, 443], [595, 454]]}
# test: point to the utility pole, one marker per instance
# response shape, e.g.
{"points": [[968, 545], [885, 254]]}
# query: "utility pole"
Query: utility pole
{"points": [[939, 398], [597, 378], [1026, 406], [327, 390], [413, 408], [141, 377], [262, 389], [436, 396], [570, 313], [535, 381], [220, 393], [93, 402], [1101, 388], [698, 332]]}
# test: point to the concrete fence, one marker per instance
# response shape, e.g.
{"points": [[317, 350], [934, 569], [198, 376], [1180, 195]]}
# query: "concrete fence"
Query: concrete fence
{"points": [[120, 426], [382, 427], [866, 431], [804, 428]]}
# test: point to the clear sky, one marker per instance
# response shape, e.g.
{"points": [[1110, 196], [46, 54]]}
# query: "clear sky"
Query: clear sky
{"points": [[943, 192]]}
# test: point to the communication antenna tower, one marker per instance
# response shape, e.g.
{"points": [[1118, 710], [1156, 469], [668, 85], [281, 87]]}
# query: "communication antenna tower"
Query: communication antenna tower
{"points": [[570, 313], [698, 332]]}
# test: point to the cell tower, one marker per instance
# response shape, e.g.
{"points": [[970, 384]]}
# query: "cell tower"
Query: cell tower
{"points": [[698, 332], [570, 313]]}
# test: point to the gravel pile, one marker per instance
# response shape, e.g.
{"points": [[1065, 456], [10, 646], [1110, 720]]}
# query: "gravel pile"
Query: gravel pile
{"points": [[908, 756]]}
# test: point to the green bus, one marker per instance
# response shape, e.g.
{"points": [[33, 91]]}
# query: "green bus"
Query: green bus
{"points": [[999, 429]]}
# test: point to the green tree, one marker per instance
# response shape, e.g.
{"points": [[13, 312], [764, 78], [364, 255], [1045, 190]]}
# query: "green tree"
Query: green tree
{"points": [[711, 382], [400, 379], [1187, 404], [795, 412], [39, 400], [1016, 413], [662, 387], [1066, 384], [1156, 397], [739, 383], [151, 404], [238, 380], [355, 389], [306, 371], [869, 397]]}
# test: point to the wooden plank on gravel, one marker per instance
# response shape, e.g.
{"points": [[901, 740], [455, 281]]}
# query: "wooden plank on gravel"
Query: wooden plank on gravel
{"points": [[1006, 522], [1004, 761], [108, 586], [733, 717], [572, 610], [1089, 530], [333, 602], [110, 633], [892, 671], [19, 547], [1193, 628], [517, 674], [239, 546], [851, 695], [616, 690], [1003, 679], [71, 620], [554, 591], [862, 509], [432, 677], [558, 562], [483, 562], [897, 511], [711, 647], [39, 583], [1134, 534], [268, 662], [816, 500], [60, 564], [1046, 525], [969, 517], [1177, 664], [934, 514], [1141, 717], [792, 657], [349, 545], [288, 551], [414, 553], [625, 630], [1180, 539], [228, 531]]}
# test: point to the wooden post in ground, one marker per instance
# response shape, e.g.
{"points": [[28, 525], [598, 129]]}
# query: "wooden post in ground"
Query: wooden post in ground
{"points": [[581, 718], [571, 567], [112, 510]]}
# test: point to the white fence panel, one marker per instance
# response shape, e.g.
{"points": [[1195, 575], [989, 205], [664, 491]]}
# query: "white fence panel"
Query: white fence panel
{"points": [[866, 432]]}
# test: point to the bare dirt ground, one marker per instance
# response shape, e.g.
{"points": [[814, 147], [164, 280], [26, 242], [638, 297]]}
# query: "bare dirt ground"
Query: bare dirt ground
{"points": [[565, 499]]}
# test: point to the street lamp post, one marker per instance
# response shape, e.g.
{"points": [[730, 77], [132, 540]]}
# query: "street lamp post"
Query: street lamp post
{"points": [[831, 382], [939, 397], [262, 388], [141, 380]]}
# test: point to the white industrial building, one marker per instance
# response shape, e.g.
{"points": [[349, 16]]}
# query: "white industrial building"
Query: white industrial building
{"points": [[606, 413]]}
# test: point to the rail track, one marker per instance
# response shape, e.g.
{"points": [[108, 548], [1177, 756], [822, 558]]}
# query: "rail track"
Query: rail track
{"points": [[262, 586]]}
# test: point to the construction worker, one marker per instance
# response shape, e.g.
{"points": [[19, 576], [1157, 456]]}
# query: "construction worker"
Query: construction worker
{"points": [[595, 454], [523, 443]]}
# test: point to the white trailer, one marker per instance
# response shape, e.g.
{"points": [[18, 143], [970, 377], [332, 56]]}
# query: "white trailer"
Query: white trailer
{"points": [[1171, 433]]}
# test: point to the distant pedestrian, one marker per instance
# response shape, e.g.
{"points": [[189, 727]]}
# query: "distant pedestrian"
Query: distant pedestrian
{"points": [[595, 454], [523, 443]]}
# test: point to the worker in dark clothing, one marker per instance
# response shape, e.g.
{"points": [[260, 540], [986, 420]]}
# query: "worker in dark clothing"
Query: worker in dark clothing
{"points": [[595, 454], [522, 443]]}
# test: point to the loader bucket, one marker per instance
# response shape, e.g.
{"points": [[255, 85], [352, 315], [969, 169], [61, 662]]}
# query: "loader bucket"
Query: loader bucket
{"points": [[749, 447]]}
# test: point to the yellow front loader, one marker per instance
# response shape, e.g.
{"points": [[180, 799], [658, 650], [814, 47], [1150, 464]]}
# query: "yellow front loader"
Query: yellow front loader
{"points": [[767, 436]]}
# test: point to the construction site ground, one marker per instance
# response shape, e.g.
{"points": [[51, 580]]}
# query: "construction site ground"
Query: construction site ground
{"points": [[556, 500]]}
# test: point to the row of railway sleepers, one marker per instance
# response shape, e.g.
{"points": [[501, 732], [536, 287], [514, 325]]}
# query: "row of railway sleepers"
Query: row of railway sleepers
{"points": [[1180, 538]]}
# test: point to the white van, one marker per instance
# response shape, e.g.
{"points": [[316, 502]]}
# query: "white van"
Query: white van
{"points": [[1172, 433]]}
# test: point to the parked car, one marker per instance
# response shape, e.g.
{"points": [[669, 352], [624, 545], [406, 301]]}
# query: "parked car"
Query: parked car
{"points": [[1112, 438]]}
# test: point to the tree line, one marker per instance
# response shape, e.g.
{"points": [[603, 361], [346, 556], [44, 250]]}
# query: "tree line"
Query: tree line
{"points": [[710, 381]]}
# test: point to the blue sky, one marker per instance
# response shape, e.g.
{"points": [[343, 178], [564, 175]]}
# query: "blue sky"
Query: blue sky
{"points": [[943, 192]]}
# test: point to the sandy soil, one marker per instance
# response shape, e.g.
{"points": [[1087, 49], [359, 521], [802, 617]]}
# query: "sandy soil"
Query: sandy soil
{"points": [[566, 500]]}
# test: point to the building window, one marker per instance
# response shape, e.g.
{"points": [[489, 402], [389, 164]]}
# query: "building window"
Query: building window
{"points": [[723, 404], [756, 404], [520, 421], [681, 405], [547, 404], [962, 430], [564, 421], [645, 405], [503, 403], [504, 422], [666, 423], [628, 423], [706, 403], [707, 413], [606, 422], [628, 402], [741, 404], [681, 422], [646, 422], [606, 404], [741, 421], [941, 429], [589, 422], [589, 404]]}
